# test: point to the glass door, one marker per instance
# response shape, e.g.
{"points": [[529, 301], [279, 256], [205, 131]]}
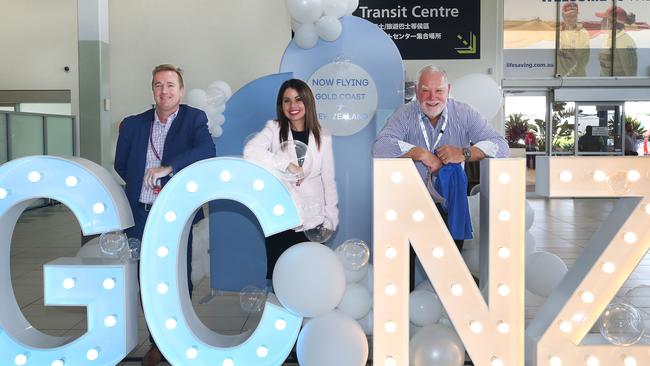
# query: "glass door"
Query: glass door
{"points": [[599, 130]]}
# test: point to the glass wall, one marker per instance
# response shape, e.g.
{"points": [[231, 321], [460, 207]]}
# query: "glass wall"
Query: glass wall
{"points": [[576, 38]]}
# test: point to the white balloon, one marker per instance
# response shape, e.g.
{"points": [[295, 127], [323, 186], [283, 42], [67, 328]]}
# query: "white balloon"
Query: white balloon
{"points": [[356, 301], [335, 8], [355, 276], [211, 111], [215, 130], [366, 323], [413, 329], [197, 98], [306, 36], [352, 6], [329, 28], [219, 119], [332, 339], [436, 345], [369, 279], [481, 92], [305, 11], [309, 279], [530, 244], [471, 260], [295, 25], [424, 308], [216, 96], [91, 250], [225, 88], [530, 215], [544, 271]]}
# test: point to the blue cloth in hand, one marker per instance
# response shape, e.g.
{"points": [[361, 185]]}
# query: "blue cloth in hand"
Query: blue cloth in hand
{"points": [[451, 184]]}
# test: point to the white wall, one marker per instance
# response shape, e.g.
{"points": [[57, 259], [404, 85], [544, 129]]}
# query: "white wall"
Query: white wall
{"points": [[38, 39], [234, 41]]}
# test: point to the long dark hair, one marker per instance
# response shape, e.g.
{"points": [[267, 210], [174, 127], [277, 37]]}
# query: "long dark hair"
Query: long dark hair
{"points": [[311, 120]]}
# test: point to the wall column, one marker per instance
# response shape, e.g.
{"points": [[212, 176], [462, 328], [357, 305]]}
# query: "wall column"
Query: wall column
{"points": [[94, 88]]}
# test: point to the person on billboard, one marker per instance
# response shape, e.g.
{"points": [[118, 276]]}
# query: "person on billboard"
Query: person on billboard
{"points": [[153, 146], [299, 149], [439, 134], [622, 60], [573, 54]]}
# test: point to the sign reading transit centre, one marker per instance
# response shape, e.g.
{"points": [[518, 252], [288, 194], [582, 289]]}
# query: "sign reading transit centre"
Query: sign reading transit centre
{"points": [[346, 96]]}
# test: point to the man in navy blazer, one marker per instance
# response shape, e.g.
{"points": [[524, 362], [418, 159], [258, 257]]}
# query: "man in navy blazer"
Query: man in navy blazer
{"points": [[152, 147]]}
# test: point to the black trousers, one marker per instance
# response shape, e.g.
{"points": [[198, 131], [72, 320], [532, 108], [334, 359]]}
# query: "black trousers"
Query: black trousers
{"points": [[277, 244], [459, 245]]}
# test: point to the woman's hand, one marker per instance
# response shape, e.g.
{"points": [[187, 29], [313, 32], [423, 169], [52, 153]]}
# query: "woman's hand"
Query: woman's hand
{"points": [[297, 172]]}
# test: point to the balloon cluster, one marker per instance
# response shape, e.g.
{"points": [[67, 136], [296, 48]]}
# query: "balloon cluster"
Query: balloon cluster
{"points": [[311, 19], [434, 340], [332, 289], [213, 102]]}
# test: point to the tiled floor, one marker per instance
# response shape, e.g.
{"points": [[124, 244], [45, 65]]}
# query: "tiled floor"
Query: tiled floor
{"points": [[561, 226]]}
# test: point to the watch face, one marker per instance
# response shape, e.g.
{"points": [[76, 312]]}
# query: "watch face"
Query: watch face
{"points": [[467, 153]]}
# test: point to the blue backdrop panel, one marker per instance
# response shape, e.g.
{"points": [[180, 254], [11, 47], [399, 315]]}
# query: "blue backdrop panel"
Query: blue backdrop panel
{"points": [[364, 44], [237, 256]]}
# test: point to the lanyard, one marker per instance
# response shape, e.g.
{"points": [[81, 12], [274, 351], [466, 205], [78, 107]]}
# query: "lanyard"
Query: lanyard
{"points": [[153, 147], [426, 135]]}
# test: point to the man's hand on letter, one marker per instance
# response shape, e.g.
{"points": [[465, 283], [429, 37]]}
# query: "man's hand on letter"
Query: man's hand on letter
{"points": [[432, 162], [154, 174], [450, 154]]}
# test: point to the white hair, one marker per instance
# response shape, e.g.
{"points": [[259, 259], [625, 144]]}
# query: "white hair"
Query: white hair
{"points": [[431, 68]]}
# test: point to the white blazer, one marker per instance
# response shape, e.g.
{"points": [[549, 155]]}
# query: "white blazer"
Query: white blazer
{"points": [[318, 185]]}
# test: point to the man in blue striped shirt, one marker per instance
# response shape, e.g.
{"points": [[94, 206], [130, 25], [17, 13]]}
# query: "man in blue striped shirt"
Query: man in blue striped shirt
{"points": [[435, 130]]}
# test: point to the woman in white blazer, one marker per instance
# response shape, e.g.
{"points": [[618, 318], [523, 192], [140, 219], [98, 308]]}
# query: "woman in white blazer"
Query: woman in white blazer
{"points": [[313, 187]]}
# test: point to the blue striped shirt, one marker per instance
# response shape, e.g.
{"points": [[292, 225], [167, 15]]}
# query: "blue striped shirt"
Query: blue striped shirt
{"points": [[464, 127]]}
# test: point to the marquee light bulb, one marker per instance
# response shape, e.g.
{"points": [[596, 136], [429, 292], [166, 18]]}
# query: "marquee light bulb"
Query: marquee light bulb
{"points": [[390, 361], [397, 177], [228, 362], [391, 215], [34, 176], [438, 252], [192, 186], [503, 253], [225, 176], [475, 327], [162, 252], [566, 326], [599, 176], [280, 324], [68, 283], [418, 216], [3, 193], [629, 361], [593, 361], [162, 288], [504, 290], [390, 253], [92, 354], [57, 363], [390, 326], [503, 328], [633, 175], [110, 321], [504, 215], [504, 178], [170, 324], [71, 181], [555, 361], [630, 238], [20, 359], [192, 353], [566, 176], [608, 267], [109, 284], [495, 361], [278, 210], [456, 289], [262, 352], [258, 185], [170, 216], [587, 297], [99, 208]]}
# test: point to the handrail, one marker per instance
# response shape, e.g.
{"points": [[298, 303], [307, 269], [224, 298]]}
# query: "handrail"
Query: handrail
{"points": [[16, 140]]}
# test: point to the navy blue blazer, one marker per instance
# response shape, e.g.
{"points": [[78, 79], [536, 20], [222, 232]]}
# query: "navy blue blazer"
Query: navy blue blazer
{"points": [[187, 142]]}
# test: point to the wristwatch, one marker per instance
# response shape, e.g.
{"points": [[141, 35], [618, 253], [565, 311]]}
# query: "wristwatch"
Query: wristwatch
{"points": [[467, 153]]}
